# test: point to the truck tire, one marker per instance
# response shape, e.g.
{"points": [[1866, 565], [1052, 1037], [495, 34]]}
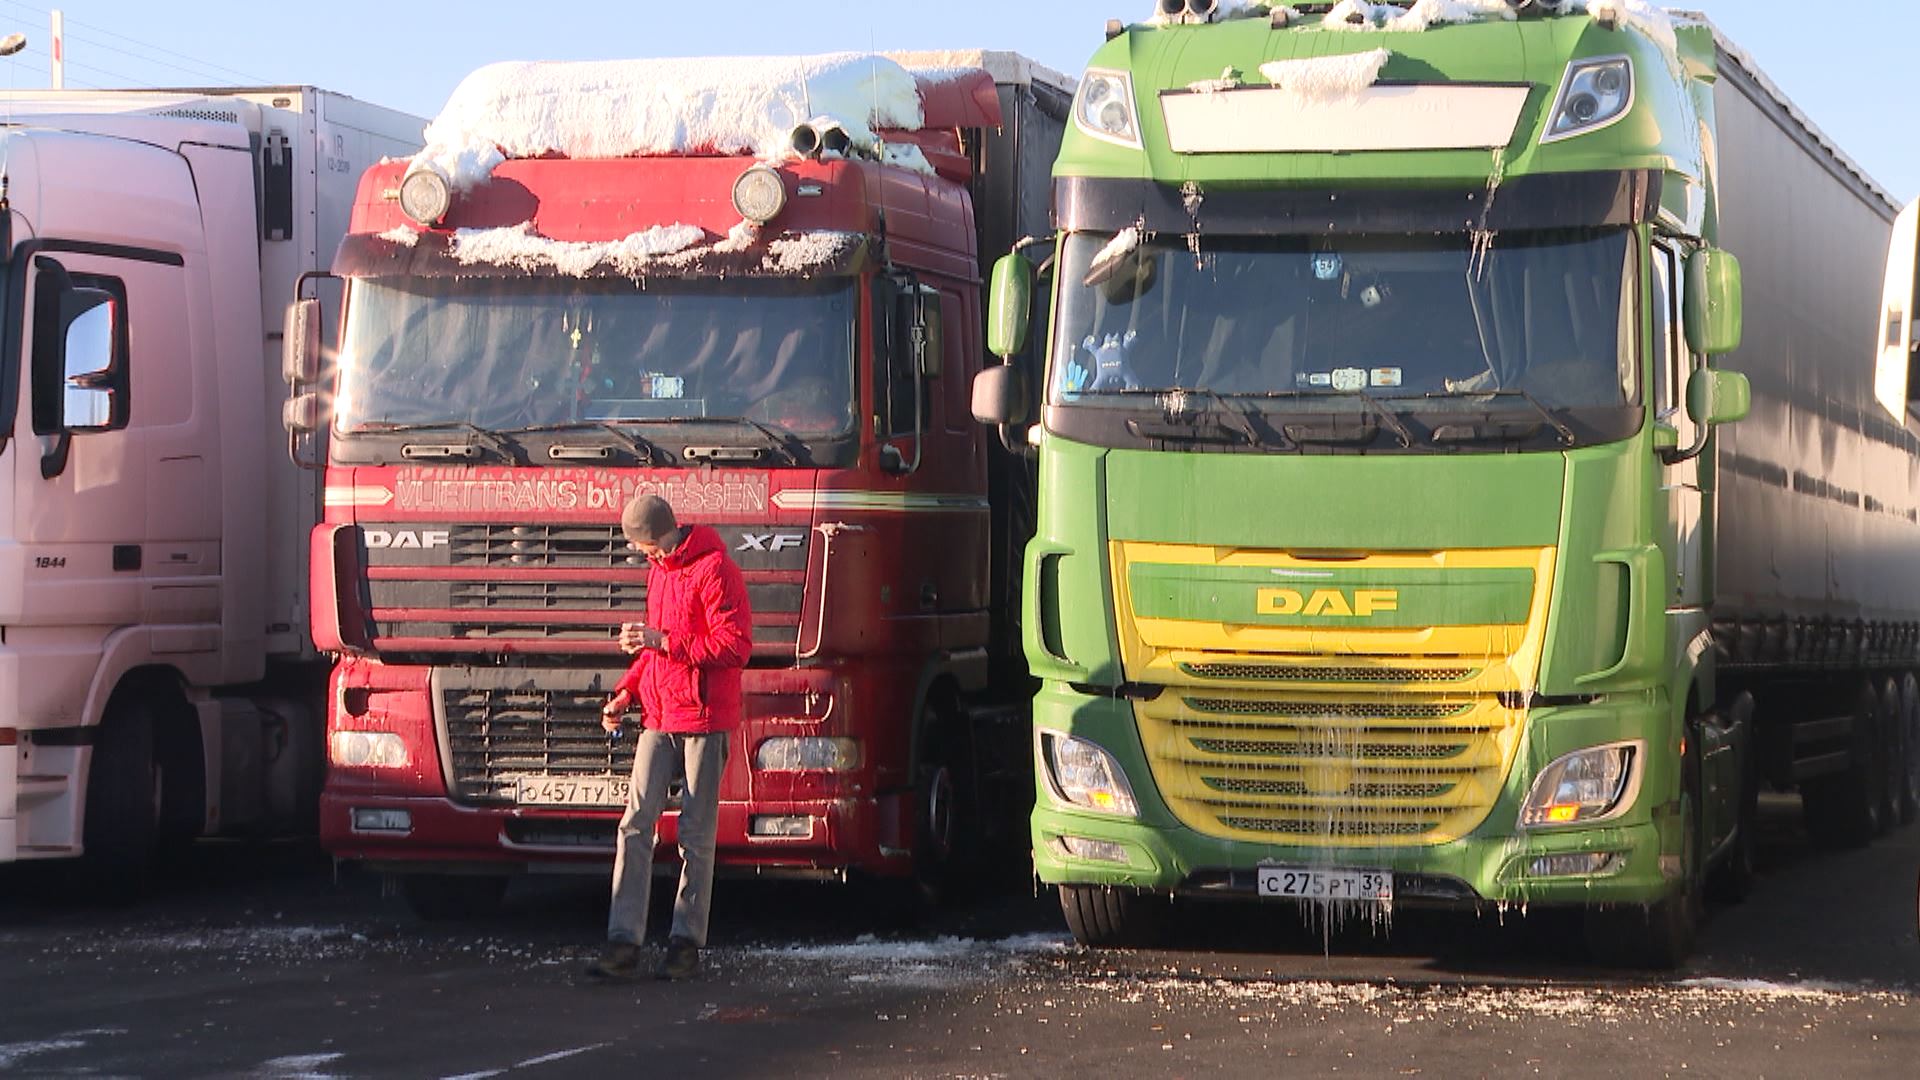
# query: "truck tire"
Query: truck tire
{"points": [[1657, 936], [1893, 753], [1102, 916], [1732, 880], [1842, 810], [945, 822], [125, 788], [1909, 749], [449, 897]]}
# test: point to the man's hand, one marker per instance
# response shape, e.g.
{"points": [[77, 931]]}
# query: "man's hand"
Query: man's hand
{"points": [[616, 707], [637, 636]]}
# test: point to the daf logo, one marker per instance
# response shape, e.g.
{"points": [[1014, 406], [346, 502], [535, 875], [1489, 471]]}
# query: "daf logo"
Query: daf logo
{"points": [[784, 541], [1328, 603], [406, 538]]}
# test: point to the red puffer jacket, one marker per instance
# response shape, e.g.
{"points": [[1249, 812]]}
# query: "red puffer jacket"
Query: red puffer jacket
{"points": [[698, 598]]}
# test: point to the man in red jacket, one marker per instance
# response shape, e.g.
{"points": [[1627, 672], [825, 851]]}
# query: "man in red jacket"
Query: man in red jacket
{"points": [[685, 679]]}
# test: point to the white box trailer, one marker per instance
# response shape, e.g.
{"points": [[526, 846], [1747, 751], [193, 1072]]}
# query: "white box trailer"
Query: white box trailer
{"points": [[157, 677]]}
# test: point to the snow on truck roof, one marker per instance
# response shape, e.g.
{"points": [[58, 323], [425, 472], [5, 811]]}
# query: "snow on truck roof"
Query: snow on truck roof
{"points": [[718, 105]]}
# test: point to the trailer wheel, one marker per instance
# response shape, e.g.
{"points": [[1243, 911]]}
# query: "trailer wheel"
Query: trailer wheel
{"points": [[1909, 727], [1893, 754], [449, 897], [1104, 916], [125, 790], [1842, 810]]}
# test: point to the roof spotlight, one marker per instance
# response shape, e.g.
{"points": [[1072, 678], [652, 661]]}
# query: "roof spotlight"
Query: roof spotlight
{"points": [[759, 194], [425, 195], [12, 43]]}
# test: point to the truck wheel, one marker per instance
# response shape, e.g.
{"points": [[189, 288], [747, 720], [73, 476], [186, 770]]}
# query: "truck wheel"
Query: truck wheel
{"points": [[1657, 936], [1842, 810], [1732, 880], [1909, 750], [1893, 753], [943, 813], [1102, 916], [125, 788], [445, 897]]}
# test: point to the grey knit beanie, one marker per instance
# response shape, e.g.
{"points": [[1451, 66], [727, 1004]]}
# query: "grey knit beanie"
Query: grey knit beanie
{"points": [[648, 519]]}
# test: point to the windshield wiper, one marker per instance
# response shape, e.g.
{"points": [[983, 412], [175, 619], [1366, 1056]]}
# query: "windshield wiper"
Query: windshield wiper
{"points": [[478, 439], [1177, 431], [1567, 436], [778, 441], [1388, 416], [648, 453]]}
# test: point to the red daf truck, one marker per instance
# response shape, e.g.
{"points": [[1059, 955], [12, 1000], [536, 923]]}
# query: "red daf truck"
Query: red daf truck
{"points": [[777, 333]]}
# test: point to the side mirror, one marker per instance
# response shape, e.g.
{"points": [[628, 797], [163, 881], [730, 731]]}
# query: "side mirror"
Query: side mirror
{"points": [[1000, 395], [88, 382], [1009, 306], [301, 413], [1718, 397], [300, 348], [1713, 312]]}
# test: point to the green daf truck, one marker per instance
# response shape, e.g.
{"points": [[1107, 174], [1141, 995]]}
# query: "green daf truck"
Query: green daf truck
{"points": [[1462, 481]]}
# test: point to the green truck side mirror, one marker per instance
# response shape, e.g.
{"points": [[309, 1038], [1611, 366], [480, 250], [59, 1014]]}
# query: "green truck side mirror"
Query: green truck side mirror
{"points": [[1718, 397], [1009, 305], [1713, 314]]}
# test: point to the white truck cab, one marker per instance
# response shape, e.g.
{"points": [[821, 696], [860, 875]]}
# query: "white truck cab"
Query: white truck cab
{"points": [[157, 677]]}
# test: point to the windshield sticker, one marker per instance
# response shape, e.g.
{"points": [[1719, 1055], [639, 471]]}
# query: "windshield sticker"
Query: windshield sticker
{"points": [[664, 387], [1349, 379], [1386, 376]]}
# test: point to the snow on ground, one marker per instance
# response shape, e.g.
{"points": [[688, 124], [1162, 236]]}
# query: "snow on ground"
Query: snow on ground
{"points": [[942, 963], [623, 108], [1326, 78], [297, 1067], [1690, 1000], [15, 1053]]}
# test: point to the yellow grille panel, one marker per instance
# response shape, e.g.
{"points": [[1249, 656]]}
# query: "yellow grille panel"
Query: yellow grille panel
{"points": [[1309, 772], [1310, 736]]}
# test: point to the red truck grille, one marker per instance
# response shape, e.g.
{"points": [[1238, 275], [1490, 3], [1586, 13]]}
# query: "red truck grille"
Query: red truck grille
{"points": [[596, 546], [501, 726]]}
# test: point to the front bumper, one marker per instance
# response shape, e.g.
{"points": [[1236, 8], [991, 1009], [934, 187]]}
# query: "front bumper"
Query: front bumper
{"points": [[1494, 864], [847, 834]]}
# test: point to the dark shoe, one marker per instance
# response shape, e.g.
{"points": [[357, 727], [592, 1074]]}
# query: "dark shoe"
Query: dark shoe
{"points": [[619, 960], [681, 962]]}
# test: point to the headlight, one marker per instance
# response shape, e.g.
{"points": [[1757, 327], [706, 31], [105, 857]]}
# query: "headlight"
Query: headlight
{"points": [[1593, 94], [807, 755], [1104, 108], [1585, 786], [425, 195], [367, 750], [1084, 775], [759, 194]]}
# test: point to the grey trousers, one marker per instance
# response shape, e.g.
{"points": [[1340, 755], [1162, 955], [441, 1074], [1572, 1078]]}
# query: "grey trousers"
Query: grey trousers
{"points": [[702, 756]]}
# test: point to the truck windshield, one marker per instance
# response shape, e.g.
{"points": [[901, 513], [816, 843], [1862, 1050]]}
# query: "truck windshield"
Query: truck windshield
{"points": [[1523, 320], [526, 353]]}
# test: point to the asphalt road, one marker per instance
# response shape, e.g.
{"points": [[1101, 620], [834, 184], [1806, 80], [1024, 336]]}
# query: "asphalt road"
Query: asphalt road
{"points": [[261, 961]]}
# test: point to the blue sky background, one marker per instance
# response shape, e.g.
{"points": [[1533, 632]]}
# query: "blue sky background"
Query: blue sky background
{"points": [[1850, 65]]}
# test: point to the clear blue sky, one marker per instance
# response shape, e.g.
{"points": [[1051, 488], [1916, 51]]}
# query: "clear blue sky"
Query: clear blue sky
{"points": [[1857, 77]]}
